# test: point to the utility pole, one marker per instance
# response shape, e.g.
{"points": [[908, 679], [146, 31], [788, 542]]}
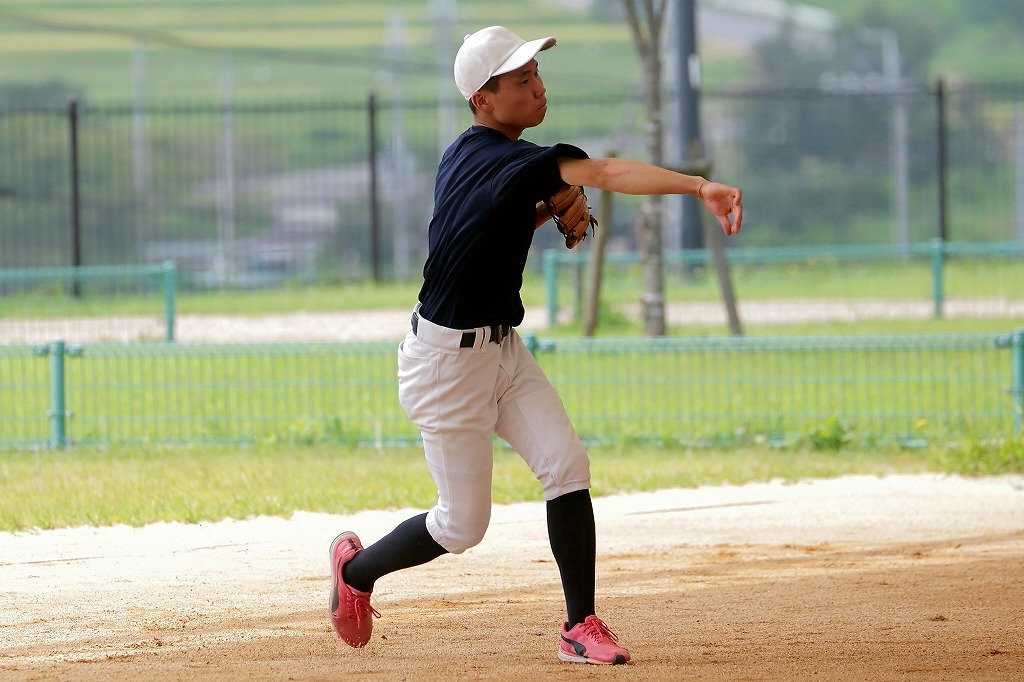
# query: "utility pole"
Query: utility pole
{"points": [[445, 15], [1018, 174], [899, 136], [224, 260], [400, 172], [140, 145], [690, 147]]}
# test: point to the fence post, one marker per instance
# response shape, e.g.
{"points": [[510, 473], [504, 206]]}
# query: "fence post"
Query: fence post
{"points": [[551, 285], [1017, 388], [371, 110], [940, 103], [531, 343], [57, 412], [76, 215], [597, 258], [938, 261], [170, 276]]}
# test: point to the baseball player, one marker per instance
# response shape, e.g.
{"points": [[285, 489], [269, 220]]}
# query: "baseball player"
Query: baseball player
{"points": [[464, 373]]}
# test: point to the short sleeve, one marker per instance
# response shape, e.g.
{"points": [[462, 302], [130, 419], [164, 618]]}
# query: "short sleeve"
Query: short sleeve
{"points": [[530, 173]]}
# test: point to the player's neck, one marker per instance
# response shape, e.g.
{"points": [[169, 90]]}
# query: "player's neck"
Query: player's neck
{"points": [[511, 132]]}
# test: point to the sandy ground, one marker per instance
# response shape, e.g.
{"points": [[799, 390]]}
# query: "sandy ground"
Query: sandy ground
{"points": [[895, 578]]}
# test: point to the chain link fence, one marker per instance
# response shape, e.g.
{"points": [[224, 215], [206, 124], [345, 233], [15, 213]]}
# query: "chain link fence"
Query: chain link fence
{"points": [[254, 194]]}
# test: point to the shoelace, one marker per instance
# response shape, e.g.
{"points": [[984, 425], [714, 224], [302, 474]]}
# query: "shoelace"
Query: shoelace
{"points": [[597, 629], [361, 606]]}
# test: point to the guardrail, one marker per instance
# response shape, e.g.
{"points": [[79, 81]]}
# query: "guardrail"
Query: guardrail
{"points": [[937, 251], [164, 276]]}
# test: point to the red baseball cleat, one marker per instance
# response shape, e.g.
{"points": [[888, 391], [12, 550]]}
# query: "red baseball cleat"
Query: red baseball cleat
{"points": [[351, 613], [591, 642]]}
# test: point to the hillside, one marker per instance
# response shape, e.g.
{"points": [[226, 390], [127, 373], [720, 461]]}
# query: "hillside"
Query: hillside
{"points": [[113, 49]]}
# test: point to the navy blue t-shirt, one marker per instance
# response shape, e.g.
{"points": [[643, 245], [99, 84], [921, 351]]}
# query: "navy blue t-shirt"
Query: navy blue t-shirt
{"points": [[485, 215]]}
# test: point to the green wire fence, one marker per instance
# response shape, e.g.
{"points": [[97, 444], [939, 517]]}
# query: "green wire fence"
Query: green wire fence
{"points": [[28, 295], [983, 272], [979, 276], [896, 388]]}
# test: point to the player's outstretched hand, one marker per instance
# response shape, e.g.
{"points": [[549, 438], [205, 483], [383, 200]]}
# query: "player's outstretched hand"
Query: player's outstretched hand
{"points": [[724, 201]]}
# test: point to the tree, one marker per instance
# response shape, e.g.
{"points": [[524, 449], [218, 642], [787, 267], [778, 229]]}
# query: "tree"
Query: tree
{"points": [[645, 18]]}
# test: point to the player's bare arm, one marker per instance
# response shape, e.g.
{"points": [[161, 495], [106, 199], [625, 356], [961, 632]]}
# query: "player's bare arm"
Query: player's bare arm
{"points": [[627, 176]]}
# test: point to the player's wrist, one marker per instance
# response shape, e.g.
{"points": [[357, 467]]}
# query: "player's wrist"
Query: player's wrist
{"points": [[700, 188]]}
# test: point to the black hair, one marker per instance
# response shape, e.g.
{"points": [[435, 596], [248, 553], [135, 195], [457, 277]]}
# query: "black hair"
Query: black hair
{"points": [[491, 85]]}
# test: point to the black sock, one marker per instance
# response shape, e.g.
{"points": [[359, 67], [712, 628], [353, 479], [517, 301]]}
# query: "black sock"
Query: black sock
{"points": [[573, 540], [409, 544]]}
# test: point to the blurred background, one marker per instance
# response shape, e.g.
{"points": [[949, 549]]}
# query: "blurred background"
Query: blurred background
{"points": [[244, 176], [257, 144]]}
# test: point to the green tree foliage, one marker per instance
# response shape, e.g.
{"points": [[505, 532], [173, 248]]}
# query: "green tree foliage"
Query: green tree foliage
{"points": [[829, 135], [996, 11], [972, 39]]}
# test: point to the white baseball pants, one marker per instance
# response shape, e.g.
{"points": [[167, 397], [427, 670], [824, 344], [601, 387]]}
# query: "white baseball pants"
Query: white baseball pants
{"points": [[459, 398]]}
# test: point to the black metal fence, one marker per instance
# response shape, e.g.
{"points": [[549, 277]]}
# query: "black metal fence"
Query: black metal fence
{"points": [[256, 193]]}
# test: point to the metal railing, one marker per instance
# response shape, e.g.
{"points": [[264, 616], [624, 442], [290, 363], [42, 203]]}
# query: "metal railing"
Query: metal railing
{"points": [[28, 289], [76, 282], [937, 254], [875, 389]]}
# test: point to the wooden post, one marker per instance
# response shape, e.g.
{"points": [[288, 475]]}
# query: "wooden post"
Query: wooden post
{"points": [[597, 259]]}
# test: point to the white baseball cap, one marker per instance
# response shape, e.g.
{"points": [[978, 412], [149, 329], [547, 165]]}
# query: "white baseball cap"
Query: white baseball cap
{"points": [[493, 51]]}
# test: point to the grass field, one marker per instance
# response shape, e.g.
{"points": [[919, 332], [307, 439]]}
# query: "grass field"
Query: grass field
{"points": [[141, 485], [826, 279], [294, 49], [337, 47]]}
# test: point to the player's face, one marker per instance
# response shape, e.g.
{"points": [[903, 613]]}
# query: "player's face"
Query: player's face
{"points": [[520, 101]]}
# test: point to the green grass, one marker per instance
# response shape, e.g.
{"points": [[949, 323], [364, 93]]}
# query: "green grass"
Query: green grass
{"points": [[307, 47], [673, 391], [295, 49], [849, 389], [141, 485]]}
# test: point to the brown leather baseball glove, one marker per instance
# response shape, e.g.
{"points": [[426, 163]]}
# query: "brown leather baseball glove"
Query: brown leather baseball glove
{"points": [[568, 208]]}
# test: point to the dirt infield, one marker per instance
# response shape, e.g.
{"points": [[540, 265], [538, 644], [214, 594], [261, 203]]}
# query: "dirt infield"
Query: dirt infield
{"points": [[903, 577]]}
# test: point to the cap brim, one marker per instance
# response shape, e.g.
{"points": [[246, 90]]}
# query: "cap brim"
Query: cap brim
{"points": [[524, 54]]}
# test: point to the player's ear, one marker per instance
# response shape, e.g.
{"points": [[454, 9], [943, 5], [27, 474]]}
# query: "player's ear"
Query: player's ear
{"points": [[481, 100]]}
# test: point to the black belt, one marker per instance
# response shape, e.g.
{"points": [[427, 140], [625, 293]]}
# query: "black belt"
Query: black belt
{"points": [[498, 333]]}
